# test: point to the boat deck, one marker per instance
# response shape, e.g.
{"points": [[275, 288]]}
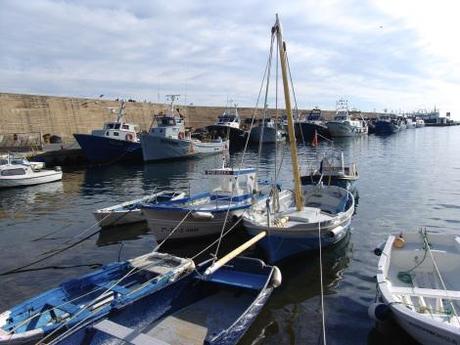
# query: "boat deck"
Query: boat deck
{"points": [[191, 325]]}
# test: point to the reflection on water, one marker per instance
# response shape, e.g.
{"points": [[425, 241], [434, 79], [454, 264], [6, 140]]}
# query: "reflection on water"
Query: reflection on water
{"points": [[407, 180]]}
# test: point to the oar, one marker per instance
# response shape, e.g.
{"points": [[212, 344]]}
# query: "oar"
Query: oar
{"points": [[235, 252]]}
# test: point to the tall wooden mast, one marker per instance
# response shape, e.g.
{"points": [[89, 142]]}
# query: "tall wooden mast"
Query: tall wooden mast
{"points": [[287, 99]]}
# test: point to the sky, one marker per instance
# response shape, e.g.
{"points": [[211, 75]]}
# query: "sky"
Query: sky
{"points": [[388, 54]]}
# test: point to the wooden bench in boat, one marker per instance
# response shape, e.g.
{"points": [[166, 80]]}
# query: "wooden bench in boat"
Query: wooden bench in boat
{"points": [[128, 335], [428, 293]]}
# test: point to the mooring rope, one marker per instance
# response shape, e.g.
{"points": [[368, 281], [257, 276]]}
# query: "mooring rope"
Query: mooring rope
{"points": [[321, 284]]}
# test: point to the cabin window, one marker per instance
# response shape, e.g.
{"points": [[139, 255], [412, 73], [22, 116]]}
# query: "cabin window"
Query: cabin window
{"points": [[13, 172], [116, 134], [125, 126], [117, 126], [109, 125], [107, 133]]}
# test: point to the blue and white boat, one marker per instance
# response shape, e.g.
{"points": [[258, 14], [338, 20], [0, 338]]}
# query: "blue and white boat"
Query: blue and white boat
{"points": [[328, 210], [204, 214], [170, 140], [116, 141], [90, 297], [198, 309], [299, 221]]}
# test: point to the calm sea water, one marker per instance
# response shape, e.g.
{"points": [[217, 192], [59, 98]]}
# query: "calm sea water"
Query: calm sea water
{"points": [[407, 180]]}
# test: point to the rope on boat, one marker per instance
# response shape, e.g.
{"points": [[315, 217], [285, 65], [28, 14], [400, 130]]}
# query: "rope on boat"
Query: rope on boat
{"points": [[425, 240], [57, 251], [321, 283]]}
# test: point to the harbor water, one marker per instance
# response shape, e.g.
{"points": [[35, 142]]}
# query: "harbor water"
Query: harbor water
{"points": [[407, 181]]}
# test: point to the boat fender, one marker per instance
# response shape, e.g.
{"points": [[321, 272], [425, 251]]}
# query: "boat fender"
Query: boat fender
{"points": [[129, 137], [334, 232], [57, 168], [378, 312], [277, 278], [399, 241], [379, 250], [203, 215]]}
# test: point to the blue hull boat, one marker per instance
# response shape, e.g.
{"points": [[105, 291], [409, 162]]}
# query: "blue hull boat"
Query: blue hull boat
{"points": [[90, 297], [328, 210], [386, 127], [199, 309], [278, 248], [99, 149]]}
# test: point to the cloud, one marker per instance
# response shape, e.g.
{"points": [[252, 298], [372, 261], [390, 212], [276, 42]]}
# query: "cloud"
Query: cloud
{"points": [[378, 54]]}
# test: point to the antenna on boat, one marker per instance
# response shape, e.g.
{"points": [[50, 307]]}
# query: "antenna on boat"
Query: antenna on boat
{"points": [[172, 99], [287, 99], [121, 111]]}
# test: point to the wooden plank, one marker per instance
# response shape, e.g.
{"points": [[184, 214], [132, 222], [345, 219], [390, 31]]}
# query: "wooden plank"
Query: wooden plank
{"points": [[126, 334], [429, 293]]}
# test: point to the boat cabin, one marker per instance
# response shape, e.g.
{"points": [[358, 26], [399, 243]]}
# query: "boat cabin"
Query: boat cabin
{"points": [[315, 115], [235, 182], [229, 118], [169, 126], [118, 131]]}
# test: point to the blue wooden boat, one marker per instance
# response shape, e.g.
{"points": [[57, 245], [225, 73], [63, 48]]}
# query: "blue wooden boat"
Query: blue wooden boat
{"points": [[90, 297], [116, 141], [204, 214], [292, 232], [199, 309]]}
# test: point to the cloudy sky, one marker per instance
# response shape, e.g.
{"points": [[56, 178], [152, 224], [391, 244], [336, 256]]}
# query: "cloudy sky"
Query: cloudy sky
{"points": [[377, 54]]}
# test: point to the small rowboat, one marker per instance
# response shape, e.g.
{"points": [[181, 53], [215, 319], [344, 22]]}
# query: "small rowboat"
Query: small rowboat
{"points": [[90, 297], [418, 279], [129, 211], [198, 309]]}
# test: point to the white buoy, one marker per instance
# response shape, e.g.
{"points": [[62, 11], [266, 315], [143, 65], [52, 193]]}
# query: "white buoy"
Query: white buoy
{"points": [[202, 215], [277, 277]]}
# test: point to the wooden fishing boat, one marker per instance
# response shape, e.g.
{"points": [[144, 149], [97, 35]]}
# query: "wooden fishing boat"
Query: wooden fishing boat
{"points": [[129, 212], [204, 214], [201, 308], [116, 141], [90, 297], [418, 280], [282, 223], [333, 171], [328, 210]]}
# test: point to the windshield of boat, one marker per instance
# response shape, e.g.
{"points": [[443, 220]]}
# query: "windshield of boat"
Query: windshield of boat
{"points": [[167, 121], [227, 118], [14, 172]]}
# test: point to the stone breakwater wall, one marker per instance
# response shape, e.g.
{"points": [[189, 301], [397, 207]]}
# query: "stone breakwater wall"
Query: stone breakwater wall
{"points": [[63, 116]]}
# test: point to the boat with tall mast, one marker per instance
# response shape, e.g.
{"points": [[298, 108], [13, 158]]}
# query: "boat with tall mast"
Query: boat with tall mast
{"points": [[116, 141], [343, 125], [170, 140], [295, 222]]}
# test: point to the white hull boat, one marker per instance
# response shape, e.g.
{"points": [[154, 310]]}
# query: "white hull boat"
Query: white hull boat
{"points": [[19, 175], [204, 214], [343, 125], [129, 211], [418, 279], [346, 128]]}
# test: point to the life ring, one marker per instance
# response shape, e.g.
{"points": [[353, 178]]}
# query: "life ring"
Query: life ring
{"points": [[129, 137], [181, 135]]}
